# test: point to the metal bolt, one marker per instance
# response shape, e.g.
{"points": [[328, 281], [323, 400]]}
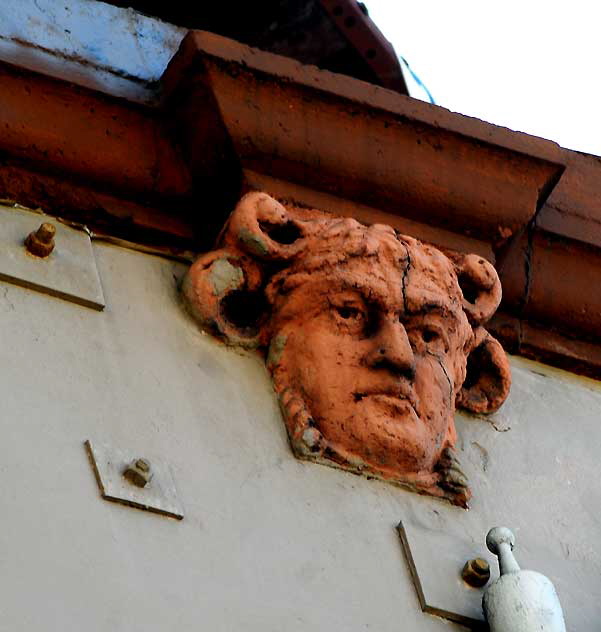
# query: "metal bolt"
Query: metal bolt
{"points": [[40, 242], [143, 464], [476, 572], [138, 472]]}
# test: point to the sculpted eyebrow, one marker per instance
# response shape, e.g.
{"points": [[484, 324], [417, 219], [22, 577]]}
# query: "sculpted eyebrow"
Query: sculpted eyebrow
{"points": [[433, 306], [367, 294], [352, 294], [429, 306]]}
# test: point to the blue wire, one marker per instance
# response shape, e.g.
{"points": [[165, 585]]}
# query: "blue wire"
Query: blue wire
{"points": [[418, 81]]}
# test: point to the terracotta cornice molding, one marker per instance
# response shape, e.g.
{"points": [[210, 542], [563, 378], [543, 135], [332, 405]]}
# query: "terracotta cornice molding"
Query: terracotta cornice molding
{"points": [[360, 142], [90, 157], [551, 272], [74, 130], [551, 305], [573, 209]]}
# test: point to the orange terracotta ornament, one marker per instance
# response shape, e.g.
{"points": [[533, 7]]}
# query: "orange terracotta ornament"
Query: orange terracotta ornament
{"points": [[372, 338]]}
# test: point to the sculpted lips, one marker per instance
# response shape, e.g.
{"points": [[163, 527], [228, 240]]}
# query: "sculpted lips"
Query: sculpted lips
{"points": [[395, 391]]}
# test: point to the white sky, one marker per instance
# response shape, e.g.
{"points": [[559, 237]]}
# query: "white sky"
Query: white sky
{"points": [[529, 65]]}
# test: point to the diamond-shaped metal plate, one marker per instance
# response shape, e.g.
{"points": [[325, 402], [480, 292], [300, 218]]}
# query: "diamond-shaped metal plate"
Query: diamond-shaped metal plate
{"points": [[435, 561], [436, 558], [69, 272], [159, 495]]}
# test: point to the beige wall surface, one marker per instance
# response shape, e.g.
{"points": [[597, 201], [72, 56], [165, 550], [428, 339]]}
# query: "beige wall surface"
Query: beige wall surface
{"points": [[268, 542]]}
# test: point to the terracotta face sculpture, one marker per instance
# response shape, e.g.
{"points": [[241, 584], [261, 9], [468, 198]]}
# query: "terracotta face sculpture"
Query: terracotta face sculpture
{"points": [[372, 338]]}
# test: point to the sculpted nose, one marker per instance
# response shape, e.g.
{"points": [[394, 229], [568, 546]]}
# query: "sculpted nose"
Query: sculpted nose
{"points": [[392, 350]]}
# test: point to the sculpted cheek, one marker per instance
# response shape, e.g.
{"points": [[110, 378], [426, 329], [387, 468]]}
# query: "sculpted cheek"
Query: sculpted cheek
{"points": [[435, 390]]}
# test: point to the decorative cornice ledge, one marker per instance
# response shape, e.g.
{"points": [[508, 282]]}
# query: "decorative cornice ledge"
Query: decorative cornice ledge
{"points": [[356, 141]]}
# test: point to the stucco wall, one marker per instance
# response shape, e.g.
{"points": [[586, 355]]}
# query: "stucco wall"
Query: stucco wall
{"points": [[268, 542]]}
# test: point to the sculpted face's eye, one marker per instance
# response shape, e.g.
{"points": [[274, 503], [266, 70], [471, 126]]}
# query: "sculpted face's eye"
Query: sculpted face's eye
{"points": [[350, 316], [429, 335], [427, 338], [349, 313]]}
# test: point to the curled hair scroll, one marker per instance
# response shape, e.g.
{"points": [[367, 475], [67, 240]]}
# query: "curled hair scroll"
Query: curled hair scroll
{"points": [[372, 338]]}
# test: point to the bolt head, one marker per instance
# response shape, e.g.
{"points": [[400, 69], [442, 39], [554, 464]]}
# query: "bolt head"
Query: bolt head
{"points": [[46, 232], [143, 464], [476, 572], [138, 472], [481, 566], [40, 242]]}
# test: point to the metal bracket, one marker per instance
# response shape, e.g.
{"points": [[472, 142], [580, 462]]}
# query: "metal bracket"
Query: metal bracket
{"points": [[159, 495], [435, 561], [436, 558], [69, 272]]}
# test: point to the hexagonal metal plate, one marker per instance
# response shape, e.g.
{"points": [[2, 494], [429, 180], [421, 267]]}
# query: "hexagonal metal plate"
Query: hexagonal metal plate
{"points": [[159, 495], [69, 272]]}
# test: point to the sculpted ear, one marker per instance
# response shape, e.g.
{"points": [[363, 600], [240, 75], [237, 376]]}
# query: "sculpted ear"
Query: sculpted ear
{"points": [[488, 378], [480, 286], [263, 228], [222, 290]]}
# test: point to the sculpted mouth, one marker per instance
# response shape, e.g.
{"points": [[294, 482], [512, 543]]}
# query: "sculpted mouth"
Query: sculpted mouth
{"points": [[394, 394]]}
